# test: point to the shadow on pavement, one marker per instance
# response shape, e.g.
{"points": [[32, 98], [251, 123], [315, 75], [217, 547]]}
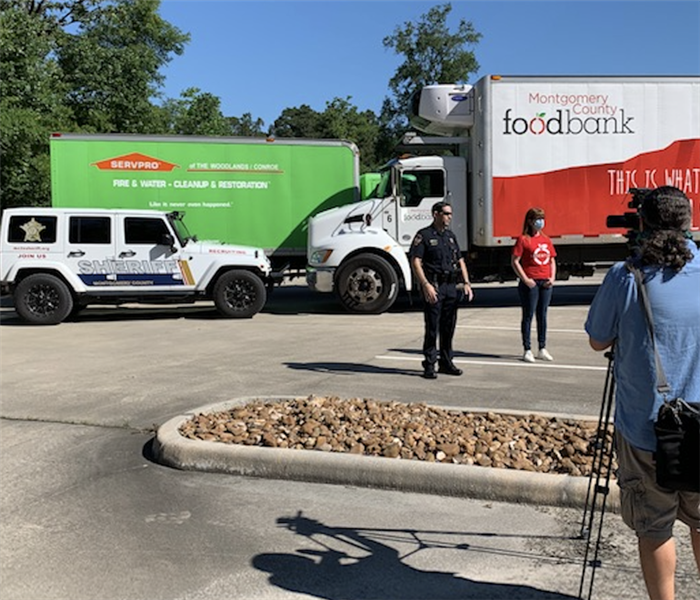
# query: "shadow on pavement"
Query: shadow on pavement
{"points": [[353, 563], [458, 354], [339, 367], [300, 300], [350, 367]]}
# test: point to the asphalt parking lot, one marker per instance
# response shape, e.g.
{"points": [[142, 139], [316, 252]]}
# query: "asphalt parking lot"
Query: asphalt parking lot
{"points": [[87, 514], [137, 365]]}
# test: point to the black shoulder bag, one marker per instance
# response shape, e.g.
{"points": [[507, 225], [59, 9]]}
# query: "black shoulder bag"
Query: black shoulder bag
{"points": [[677, 425]]}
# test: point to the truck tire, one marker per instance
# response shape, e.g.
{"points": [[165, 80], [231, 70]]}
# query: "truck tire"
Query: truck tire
{"points": [[239, 294], [367, 284], [43, 299]]}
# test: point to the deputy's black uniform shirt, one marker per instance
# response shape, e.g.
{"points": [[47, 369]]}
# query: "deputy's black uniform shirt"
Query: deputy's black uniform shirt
{"points": [[439, 252]]}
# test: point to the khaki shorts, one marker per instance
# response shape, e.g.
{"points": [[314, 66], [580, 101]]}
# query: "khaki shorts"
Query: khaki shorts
{"points": [[646, 508]]}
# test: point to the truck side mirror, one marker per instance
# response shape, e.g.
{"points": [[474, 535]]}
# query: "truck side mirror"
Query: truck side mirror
{"points": [[168, 240]]}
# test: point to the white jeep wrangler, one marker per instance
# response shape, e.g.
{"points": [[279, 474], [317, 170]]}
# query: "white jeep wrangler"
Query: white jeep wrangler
{"points": [[57, 261]]}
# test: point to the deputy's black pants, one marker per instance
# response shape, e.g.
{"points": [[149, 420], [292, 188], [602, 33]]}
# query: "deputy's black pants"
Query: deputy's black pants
{"points": [[440, 320]]}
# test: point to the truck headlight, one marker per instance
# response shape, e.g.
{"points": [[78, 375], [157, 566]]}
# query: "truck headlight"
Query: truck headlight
{"points": [[320, 256]]}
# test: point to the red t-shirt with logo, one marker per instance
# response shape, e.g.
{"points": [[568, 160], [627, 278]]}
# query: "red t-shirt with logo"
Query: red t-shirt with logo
{"points": [[536, 254]]}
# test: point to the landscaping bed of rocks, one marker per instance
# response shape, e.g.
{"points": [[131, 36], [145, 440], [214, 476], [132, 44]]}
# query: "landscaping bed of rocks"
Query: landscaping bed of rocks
{"points": [[407, 431]]}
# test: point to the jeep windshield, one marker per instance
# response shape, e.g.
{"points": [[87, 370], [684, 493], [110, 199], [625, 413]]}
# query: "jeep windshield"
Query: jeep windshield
{"points": [[183, 234]]}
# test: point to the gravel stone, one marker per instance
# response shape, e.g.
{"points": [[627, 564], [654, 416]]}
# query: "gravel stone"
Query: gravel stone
{"points": [[399, 431]]}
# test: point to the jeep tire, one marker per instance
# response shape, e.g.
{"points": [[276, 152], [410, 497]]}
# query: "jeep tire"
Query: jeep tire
{"points": [[43, 299], [239, 294]]}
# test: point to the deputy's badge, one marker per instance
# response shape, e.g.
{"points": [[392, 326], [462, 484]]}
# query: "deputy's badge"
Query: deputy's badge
{"points": [[32, 230], [433, 242], [418, 239]]}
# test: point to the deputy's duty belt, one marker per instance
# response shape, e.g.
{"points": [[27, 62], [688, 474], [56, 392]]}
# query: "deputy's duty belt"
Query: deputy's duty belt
{"points": [[444, 278]]}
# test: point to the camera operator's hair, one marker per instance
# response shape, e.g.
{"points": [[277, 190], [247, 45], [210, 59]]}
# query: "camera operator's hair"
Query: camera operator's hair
{"points": [[665, 213]]}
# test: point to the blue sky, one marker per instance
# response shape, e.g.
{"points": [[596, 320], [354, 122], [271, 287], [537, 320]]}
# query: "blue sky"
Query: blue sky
{"points": [[263, 56]]}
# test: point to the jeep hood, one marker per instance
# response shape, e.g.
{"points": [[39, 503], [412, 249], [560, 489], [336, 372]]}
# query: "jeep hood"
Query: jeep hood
{"points": [[209, 247]]}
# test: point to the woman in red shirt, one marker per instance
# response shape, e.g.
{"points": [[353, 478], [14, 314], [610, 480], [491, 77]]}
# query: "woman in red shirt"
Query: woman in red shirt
{"points": [[534, 263]]}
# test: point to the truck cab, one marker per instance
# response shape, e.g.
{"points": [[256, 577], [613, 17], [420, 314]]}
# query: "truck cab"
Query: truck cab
{"points": [[360, 251]]}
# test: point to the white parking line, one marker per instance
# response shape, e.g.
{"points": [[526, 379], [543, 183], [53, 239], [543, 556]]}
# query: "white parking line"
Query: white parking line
{"points": [[493, 363], [549, 329]]}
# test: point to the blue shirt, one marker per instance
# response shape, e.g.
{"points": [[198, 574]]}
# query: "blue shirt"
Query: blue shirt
{"points": [[616, 314]]}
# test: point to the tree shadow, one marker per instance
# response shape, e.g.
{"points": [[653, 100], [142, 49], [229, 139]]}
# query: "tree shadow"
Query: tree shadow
{"points": [[353, 564]]}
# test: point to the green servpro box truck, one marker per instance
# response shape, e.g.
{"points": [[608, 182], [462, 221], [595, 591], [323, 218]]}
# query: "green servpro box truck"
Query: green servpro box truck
{"points": [[251, 191]]}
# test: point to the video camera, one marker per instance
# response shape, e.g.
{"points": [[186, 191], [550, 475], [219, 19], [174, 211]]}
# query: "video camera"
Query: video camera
{"points": [[630, 220]]}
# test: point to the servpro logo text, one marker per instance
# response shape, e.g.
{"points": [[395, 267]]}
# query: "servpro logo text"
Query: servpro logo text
{"points": [[134, 162], [565, 122]]}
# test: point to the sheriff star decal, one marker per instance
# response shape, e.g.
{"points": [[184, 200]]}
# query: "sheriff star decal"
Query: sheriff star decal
{"points": [[32, 230]]}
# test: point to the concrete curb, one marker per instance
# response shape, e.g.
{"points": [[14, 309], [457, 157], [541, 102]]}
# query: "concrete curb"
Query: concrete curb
{"points": [[506, 485]]}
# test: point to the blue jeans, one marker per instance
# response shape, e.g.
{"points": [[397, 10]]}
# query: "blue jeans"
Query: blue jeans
{"points": [[534, 302]]}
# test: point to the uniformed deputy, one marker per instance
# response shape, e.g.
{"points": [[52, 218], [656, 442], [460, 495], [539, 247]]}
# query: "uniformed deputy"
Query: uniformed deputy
{"points": [[439, 268]]}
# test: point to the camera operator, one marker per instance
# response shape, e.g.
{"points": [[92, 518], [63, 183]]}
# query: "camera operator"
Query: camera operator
{"points": [[670, 264]]}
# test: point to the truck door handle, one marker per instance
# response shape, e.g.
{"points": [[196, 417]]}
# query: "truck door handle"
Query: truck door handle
{"points": [[76, 253], [127, 254]]}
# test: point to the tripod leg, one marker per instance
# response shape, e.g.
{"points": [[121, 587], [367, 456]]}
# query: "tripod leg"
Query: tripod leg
{"points": [[596, 562], [603, 420], [602, 454]]}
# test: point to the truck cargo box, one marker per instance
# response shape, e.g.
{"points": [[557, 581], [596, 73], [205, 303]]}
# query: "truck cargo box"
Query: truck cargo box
{"points": [[252, 191]]}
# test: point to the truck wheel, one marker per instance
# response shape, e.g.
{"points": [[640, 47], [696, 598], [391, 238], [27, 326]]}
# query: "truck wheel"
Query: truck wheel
{"points": [[43, 299], [239, 294], [367, 284]]}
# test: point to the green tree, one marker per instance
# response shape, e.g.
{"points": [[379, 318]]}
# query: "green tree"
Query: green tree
{"points": [[199, 113], [342, 120], [298, 122], [112, 65], [31, 105], [55, 14], [194, 113], [247, 126], [432, 54], [74, 65]]}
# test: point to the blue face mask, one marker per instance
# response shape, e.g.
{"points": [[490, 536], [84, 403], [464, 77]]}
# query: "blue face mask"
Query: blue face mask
{"points": [[538, 224]]}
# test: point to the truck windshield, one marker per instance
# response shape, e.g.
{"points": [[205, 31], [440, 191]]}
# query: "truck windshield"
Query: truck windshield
{"points": [[180, 228], [384, 187]]}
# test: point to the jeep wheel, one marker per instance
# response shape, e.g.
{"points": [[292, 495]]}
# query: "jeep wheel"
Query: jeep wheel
{"points": [[367, 284], [43, 299], [239, 294]]}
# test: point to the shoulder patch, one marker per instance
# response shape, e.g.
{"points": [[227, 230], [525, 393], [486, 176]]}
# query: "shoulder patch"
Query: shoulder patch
{"points": [[418, 239]]}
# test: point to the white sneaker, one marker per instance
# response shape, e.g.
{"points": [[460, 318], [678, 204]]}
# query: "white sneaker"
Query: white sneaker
{"points": [[544, 355], [529, 357]]}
